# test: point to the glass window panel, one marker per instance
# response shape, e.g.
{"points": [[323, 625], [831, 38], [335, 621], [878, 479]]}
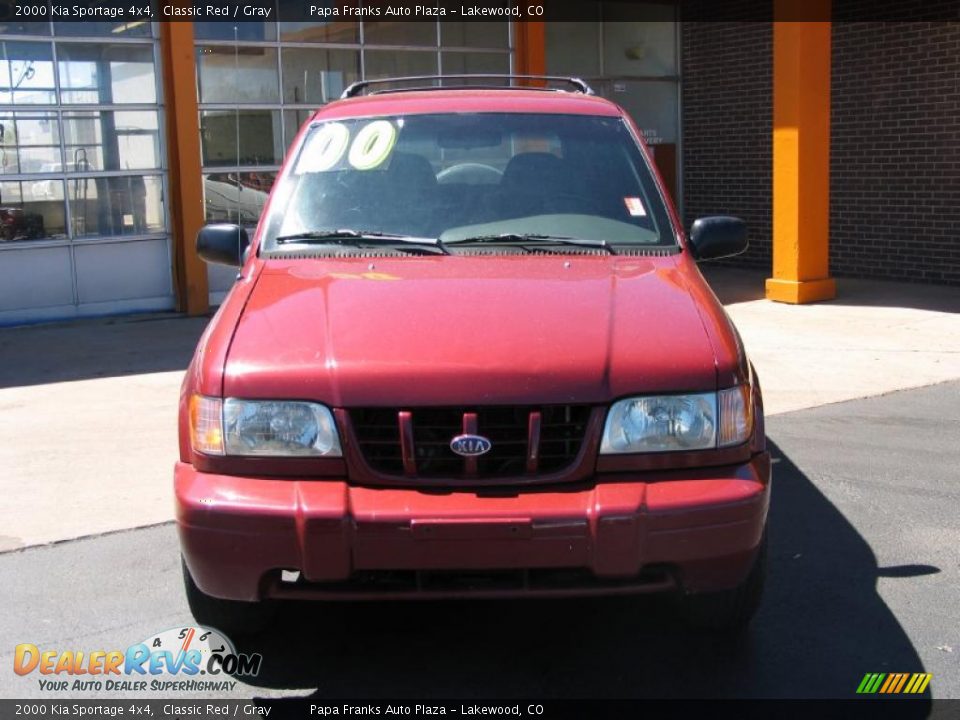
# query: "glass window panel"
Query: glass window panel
{"points": [[293, 120], [88, 28], [390, 63], [114, 206], [39, 27], [496, 63], [400, 33], [250, 31], [641, 43], [652, 105], [42, 159], [331, 32], [112, 140], [258, 132], [236, 197], [26, 73], [317, 75], [106, 74], [475, 34], [29, 142], [573, 48], [231, 74], [31, 210]]}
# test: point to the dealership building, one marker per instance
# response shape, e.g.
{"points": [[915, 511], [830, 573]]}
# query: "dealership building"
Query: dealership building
{"points": [[836, 140]]}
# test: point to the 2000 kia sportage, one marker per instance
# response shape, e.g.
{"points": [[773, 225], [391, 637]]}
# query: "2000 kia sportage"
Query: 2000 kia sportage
{"points": [[469, 353]]}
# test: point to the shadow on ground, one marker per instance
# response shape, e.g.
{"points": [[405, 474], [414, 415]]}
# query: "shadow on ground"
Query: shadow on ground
{"points": [[821, 628], [91, 349], [736, 285]]}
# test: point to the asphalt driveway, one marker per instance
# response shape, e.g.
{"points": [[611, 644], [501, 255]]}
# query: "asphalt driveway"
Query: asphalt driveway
{"points": [[865, 577]]}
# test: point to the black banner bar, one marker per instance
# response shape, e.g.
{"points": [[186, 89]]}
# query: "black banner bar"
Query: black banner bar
{"points": [[283, 708], [234, 11]]}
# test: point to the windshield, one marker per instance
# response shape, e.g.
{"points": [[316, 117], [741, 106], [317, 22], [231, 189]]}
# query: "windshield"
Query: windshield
{"points": [[470, 177]]}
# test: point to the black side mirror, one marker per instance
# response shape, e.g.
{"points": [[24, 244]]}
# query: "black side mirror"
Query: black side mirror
{"points": [[222, 243], [718, 236]]}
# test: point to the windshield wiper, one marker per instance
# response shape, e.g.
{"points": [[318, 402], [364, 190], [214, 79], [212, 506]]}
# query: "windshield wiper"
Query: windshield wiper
{"points": [[533, 239], [348, 236]]}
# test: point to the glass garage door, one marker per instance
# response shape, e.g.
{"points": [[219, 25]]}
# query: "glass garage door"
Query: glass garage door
{"points": [[83, 220], [258, 81]]}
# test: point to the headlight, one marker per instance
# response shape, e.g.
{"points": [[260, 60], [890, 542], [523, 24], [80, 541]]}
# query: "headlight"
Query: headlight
{"points": [[678, 422], [259, 427], [263, 428]]}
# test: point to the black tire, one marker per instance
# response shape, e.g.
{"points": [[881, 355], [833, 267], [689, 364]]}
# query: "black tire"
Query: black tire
{"points": [[233, 617], [729, 611]]}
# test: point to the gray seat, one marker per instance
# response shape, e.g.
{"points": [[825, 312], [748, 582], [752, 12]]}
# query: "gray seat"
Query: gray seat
{"points": [[528, 171], [409, 198], [534, 183]]}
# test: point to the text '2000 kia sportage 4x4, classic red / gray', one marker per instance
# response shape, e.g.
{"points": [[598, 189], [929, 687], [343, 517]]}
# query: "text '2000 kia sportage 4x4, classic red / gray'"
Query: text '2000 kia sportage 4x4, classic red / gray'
{"points": [[469, 353]]}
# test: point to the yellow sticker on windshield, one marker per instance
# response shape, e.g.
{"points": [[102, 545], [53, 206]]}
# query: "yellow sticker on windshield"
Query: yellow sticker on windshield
{"points": [[325, 149], [372, 145]]}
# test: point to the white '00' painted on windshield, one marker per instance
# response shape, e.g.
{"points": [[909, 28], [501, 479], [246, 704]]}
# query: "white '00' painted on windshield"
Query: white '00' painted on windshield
{"points": [[370, 147]]}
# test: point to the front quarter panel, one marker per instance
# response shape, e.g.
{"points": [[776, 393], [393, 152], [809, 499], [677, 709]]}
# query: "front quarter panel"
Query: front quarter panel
{"points": [[733, 367], [205, 373]]}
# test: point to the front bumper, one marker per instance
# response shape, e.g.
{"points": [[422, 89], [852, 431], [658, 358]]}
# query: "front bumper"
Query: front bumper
{"points": [[697, 530]]}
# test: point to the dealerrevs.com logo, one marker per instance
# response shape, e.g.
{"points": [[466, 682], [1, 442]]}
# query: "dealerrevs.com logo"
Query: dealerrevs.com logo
{"points": [[185, 659]]}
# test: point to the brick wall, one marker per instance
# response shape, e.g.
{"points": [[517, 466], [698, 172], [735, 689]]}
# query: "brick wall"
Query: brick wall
{"points": [[727, 127], [895, 151], [895, 146]]}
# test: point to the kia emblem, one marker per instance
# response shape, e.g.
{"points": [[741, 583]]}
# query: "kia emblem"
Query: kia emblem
{"points": [[470, 445]]}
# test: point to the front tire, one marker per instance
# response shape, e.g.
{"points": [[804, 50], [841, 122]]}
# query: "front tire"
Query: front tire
{"points": [[232, 617], [729, 611]]}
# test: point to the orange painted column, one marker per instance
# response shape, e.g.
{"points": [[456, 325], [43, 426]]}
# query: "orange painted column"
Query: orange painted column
{"points": [[801, 156], [530, 47], [183, 161]]}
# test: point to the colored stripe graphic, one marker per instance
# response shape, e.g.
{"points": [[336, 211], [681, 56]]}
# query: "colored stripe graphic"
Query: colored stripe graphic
{"points": [[891, 680], [918, 683], [903, 679], [894, 683], [870, 683]]}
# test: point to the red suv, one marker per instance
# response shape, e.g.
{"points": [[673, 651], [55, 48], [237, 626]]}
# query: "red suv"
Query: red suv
{"points": [[469, 353]]}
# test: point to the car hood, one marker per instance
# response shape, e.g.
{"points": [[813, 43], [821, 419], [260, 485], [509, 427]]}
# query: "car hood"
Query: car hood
{"points": [[469, 330]]}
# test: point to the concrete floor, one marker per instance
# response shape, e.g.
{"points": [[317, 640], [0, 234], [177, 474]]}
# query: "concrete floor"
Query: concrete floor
{"points": [[875, 338], [88, 414], [88, 409]]}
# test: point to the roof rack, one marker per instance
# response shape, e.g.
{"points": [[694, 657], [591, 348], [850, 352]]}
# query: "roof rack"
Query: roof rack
{"points": [[355, 89]]}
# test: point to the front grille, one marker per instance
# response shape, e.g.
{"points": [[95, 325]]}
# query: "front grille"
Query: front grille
{"points": [[524, 440]]}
